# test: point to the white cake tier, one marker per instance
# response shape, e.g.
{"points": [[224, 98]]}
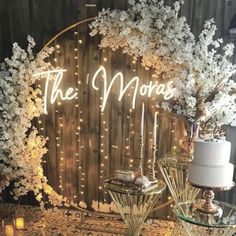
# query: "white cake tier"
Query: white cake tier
{"points": [[213, 153], [221, 176]]}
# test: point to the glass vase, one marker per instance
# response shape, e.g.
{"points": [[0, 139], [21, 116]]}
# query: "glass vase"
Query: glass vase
{"points": [[187, 142]]}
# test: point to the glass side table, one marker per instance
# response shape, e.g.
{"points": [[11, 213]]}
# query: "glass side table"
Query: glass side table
{"points": [[134, 205], [198, 224], [174, 170]]}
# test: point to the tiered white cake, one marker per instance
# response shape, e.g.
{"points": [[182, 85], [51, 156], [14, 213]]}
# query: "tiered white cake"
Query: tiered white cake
{"points": [[210, 166]]}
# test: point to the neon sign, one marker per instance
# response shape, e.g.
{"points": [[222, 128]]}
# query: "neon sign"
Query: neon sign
{"points": [[56, 91], [144, 90], [148, 90]]}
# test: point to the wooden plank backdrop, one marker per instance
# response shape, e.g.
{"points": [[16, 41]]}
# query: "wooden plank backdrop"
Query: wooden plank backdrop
{"points": [[85, 145]]}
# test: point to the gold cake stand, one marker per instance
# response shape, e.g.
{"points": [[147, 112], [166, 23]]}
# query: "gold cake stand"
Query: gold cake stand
{"points": [[207, 207]]}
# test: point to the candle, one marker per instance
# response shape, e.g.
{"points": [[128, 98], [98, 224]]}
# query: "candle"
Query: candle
{"points": [[155, 129], [154, 145], [9, 231], [20, 223], [142, 121]]}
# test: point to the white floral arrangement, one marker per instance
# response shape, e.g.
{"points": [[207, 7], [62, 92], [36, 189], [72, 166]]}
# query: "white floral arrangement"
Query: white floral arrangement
{"points": [[21, 147], [202, 74]]}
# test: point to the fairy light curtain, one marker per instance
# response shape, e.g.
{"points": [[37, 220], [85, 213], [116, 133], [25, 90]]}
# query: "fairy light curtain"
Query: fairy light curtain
{"points": [[87, 144]]}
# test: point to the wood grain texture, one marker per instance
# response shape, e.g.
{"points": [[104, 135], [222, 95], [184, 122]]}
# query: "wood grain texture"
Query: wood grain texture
{"points": [[43, 19]]}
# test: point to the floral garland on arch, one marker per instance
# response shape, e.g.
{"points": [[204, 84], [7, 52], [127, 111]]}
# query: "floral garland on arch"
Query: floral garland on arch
{"points": [[21, 147], [149, 30], [202, 74]]}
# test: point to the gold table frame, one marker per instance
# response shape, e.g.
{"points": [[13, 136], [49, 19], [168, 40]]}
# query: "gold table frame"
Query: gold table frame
{"points": [[134, 205], [174, 170]]}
